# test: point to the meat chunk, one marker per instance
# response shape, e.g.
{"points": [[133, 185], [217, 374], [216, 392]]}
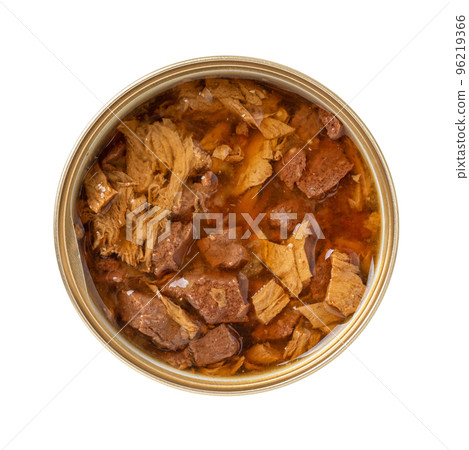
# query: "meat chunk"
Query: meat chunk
{"points": [[217, 345], [280, 259], [269, 301], [111, 271], [98, 190], [255, 168], [303, 242], [320, 314], [321, 277], [324, 169], [346, 288], [292, 167], [279, 213], [273, 128], [185, 207], [306, 122], [228, 154], [169, 253], [149, 315], [180, 359], [279, 327], [206, 189], [301, 341], [217, 296], [140, 161], [334, 127], [223, 251], [263, 354], [114, 152], [106, 226]]}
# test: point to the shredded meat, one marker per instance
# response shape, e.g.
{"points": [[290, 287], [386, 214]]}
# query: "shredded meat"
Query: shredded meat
{"points": [[224, 368], [346, 288], [280, 259], [303, 243], [273, 129], [140, 162], [269, 301], [256, 167], [226, 153], [302, 340], [98, 190], [320, 314], [263, 354], [106, 227]]}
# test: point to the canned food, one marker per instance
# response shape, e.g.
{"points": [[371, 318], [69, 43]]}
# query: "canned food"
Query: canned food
{"points": [[250, 375]]}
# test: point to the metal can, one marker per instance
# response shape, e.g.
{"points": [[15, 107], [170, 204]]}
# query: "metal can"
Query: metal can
{"points": [[86, 300]]}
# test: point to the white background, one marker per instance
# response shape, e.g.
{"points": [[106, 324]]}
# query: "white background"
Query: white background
{"points": [[411, 390]]}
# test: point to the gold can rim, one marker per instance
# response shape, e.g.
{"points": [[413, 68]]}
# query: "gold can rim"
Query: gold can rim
{"points": [[68, 257]]}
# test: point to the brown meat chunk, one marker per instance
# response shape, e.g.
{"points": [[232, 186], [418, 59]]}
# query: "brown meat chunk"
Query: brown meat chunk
{"points": [[217, 296], [269, 301], [111, 271], [292, 167], [324, 169], [206, 189], [293, 206], [320, 314], [306, 122], [185, 207], [321, 277], [334, 127], [98, 190], [181, 317], [217, 345], [346, 288], [242, 129], [114, 152], [170, 252], [278, 328], [223, 251], [149, 315], [180, 359]]}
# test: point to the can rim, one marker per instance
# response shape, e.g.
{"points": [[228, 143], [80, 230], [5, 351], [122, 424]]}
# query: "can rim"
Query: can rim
{"points": [[296, 369]]}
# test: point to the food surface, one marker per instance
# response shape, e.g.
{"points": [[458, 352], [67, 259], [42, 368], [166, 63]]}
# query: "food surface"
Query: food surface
{"points": [[228, 226]]}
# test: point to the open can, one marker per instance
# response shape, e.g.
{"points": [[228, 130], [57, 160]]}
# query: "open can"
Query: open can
{"points": [[97, 134]]}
